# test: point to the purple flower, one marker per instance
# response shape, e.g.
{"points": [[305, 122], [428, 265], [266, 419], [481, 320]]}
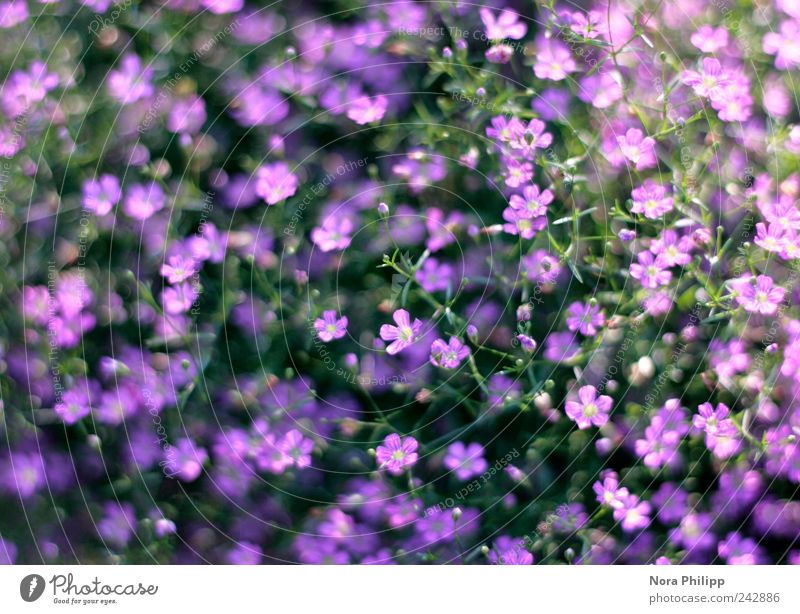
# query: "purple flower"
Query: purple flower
{"points": [[519, 223], [709, 39], [178, 269], [130, 82], [100, 195], [554, 60], [671, 503], [329, 327], [633, 514], [586, 318], [448, 354], [296, 448], [527, 343], [589, 409], [73, 406], [402, 335], [143, 200], [651, 271], [178, 298], [762, 297], [660, 444], [676, 249], [586, 24], [530, 139], [651, 200], [601, 90], [517, 173], [721, 432], [710, 81], [334, 233], [509, 551], [561, 347], [184, 460], [713, 421], [118, 524], [274, 182], [532, 203], [502, 390], [506, 25], [433, 276], [610, 493], [499, 54], [773, 238], [783, 45], [187, 115], [396, 454], [637, 148], [441, 230], [504, 129], [694, 533], [738, 550], [466, 461], [364, 110]]}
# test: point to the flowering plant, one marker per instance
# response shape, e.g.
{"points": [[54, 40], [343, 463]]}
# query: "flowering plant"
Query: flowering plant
{"points": [[403, 282]]}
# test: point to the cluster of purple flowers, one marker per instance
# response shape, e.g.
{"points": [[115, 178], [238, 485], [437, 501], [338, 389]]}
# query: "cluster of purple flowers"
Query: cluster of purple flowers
{"points": [[297, 288]]}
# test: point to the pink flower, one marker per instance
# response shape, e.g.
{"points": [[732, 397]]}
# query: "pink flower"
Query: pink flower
{"points": [[530, 139], [131, 81], [638, 149], [709, 82], [676, 249], [179, 298], [722, 436], [178, 269], [499, 54], [633, 515], [275, 183], [763, 297], [365, 110], [651, 271], [601, 90], [334, 234], [448, 355], [396, 454], [713, 421], [651, 200], [142, 201], [783, 45], [517, 173], [590, 409], [507, 25], [772, 238], [586, 24], [296, 448], [503, 129], [519, 223], [466, 461], [585, 318], [553, 61], [709, 39], [329, 327], [609, 492], [532, 203], [402, 335], [528, 344], [100, 195]]}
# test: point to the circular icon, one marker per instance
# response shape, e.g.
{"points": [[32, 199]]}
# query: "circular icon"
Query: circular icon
{"points": [[31, 587]]}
